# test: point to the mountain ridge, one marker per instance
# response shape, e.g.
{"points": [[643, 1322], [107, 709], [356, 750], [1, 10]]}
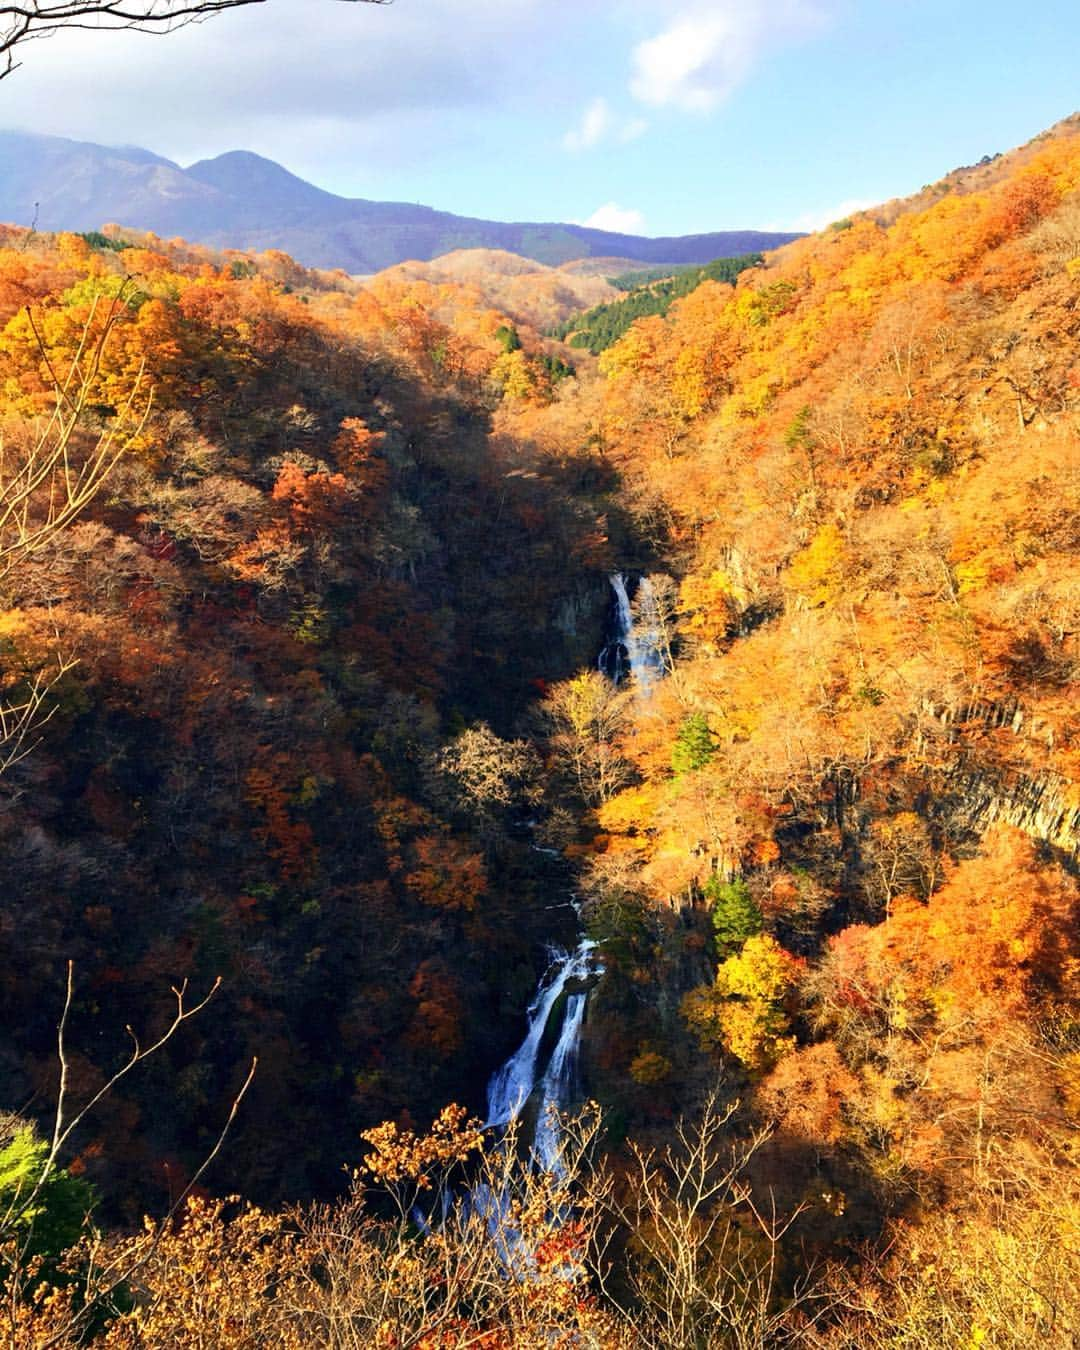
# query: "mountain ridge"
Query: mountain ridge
{"points": [[242, 200]]}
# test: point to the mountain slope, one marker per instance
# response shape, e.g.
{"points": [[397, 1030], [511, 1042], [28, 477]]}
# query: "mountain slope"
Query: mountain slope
{"points": [[828, 854], [526, 291], [241, 200]]}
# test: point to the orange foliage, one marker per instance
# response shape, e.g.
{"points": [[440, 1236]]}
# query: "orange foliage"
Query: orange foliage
{"points": [[290, 842], [995, 944], [445, 874]]}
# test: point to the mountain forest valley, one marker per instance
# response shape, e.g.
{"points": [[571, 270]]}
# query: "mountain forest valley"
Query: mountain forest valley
{"points": [[395, 668]]}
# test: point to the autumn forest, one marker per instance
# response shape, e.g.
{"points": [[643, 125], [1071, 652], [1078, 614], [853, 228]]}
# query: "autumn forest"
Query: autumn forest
{"points": [[309, 762]]}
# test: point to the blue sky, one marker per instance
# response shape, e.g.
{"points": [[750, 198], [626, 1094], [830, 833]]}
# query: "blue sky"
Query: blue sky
{"points": [[660, 118]]}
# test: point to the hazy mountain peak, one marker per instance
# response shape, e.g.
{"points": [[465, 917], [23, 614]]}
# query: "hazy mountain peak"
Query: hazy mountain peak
{"points": [[243, 171], [242, 200]]}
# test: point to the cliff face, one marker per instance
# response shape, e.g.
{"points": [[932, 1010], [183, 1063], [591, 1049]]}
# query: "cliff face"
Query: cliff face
{"points": [[1047, 807]]}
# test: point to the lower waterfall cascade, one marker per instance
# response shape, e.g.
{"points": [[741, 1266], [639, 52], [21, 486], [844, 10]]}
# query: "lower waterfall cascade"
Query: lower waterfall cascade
{"points": [[520, 1080]]}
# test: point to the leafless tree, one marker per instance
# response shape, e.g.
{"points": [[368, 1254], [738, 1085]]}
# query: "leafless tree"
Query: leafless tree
{"points": [[38, 18], [586, 716], [702, 1263], [17, 1220], [46, 483], [21, 721]]}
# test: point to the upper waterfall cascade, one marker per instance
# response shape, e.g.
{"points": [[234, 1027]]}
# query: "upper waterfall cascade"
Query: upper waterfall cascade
{"points": [[636, 648]]}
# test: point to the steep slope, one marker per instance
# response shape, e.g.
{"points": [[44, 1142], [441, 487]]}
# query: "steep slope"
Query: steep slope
{"points": [[860, 783], [240, 200], [311, 574], [827, 849]]}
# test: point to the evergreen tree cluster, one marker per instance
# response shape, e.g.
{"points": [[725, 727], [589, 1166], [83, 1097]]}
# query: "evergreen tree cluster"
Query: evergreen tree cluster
{"points": [[649, 293]]}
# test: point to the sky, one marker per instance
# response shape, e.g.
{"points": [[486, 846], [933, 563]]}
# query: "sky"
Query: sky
{"points": [[671, 117]]}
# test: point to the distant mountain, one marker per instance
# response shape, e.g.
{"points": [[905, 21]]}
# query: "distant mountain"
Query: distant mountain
{"points": [[240, 200]]}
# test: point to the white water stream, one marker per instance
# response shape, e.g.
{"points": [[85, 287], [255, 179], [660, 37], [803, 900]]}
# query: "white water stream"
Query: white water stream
{"points": [[520, 1078], [635, 649], [559, 1088]]}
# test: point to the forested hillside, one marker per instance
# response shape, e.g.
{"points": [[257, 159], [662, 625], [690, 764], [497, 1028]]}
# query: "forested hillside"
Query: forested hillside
{"points": [[327, 723], [310, 570], [841, 868], [542, 297], [648, 294]]}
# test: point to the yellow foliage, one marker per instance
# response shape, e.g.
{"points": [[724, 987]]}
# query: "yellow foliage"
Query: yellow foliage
{"points": [[762, 970], [973, 574], [515, 376], [631, 810], [636, 351], [710, 602], [649, 1068], [400, 1155], [816, 572], [743, 1012]]}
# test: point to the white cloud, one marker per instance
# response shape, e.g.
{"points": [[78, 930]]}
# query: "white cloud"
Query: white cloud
{"points": [[818, 219], [709, 49], [594, 126], [333, 90], [598, 123], [612, 216], [692, 64]]}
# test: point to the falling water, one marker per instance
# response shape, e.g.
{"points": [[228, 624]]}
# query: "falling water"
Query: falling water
{"points": [[636, 647], [512, 1085], [560, 1080], [516, 1082]]}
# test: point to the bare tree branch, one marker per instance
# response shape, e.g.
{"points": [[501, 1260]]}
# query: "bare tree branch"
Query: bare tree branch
{"points": [[38, 18], [20, 722], [64, 1126], [43, 488], [103, 1280]]}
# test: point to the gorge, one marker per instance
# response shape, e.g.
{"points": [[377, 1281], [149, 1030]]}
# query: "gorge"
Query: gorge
{"points": [[397, 624], [557, 1012]]}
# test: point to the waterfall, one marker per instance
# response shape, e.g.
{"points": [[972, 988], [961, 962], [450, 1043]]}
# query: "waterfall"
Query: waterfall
{"points": [[560, 1081], [636, 647], [512, 1085], [624, 615]]}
